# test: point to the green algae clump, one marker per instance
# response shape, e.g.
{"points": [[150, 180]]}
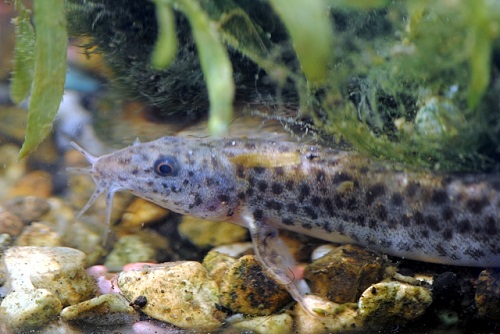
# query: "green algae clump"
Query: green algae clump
{"points": [[411, 81]]}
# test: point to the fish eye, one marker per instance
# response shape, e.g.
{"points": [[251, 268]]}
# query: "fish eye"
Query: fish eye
{"points": [[166, 166]]}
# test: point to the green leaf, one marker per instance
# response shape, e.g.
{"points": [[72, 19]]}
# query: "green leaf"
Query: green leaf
{"points": [[215, 65], [50, 70], [238, 30], [480, 43], [311, 33], [24, 55], [166, 42]]}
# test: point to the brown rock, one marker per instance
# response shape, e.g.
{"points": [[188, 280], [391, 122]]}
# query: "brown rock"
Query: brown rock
{"points": [[300, 246], [246, 288], [488, 294], [217, 264], [10, 223], [344, 273], [206, 233], [39, 234], [28, 208], [36, 183], [140, 213]]}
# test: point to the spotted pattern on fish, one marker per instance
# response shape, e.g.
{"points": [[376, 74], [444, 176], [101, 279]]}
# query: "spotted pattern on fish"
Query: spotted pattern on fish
{"points": [[329, 194]]}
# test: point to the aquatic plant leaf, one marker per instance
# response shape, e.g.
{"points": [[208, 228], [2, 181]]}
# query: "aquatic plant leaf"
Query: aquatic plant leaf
{"points": [[238, 30], [215, 65], [49, 74], [311, 33], [24, 55], [480, 70], [165, 49], [480, 39]]}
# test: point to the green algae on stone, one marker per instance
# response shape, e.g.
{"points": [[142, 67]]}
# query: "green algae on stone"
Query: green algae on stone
{"points": [[393, 303], [413, 81], [487, 296], [180, 293], [247, 288], [25, 310]]}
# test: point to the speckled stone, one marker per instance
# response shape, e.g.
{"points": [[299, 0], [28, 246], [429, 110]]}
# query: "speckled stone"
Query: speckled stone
{"points": [[28, 208], [10, 223], [344, 273], [140, 213], [217, 264], [86, 238], [70, 286], [206, 233], [393, 303], [180, 293], [39, 234], [140, 247], [57, 269], [487, 296], [61, 215], [246, 288], [107, 310], [128, 249], [24, 310], [271, 324], [333, 318]]}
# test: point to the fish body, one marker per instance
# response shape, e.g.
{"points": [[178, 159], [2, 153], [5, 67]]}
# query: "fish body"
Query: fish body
{"points": [[333, 195]]}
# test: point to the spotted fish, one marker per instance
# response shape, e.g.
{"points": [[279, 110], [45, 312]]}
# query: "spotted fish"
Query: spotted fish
{"points": [[325, 193]]}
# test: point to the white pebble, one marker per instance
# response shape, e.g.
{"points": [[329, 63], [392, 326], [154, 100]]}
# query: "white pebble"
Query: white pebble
{"points": [[27, 309], [57, 269], [321, 251]]}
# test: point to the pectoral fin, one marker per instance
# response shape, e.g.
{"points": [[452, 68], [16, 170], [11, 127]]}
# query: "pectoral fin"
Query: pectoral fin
{"points": [[276, 258]]}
